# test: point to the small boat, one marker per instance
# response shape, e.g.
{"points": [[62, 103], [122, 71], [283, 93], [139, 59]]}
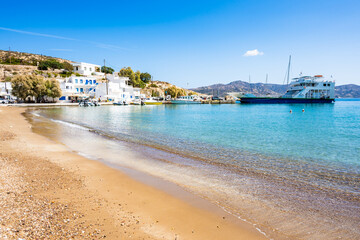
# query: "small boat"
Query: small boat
{"points": [[152, 101], [137, 102], [118, 103], [193, 99], [96, 104], [121, 102]]}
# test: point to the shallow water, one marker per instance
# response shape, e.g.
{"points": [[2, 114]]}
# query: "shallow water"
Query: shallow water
{"points": [[296, 176]]}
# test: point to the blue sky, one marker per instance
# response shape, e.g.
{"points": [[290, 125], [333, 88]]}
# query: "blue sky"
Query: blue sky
{"points": [[193, 42]]}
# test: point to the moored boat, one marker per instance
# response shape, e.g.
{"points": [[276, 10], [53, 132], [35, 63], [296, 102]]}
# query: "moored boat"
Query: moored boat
{"points": [[152, 101], [193, 99]]}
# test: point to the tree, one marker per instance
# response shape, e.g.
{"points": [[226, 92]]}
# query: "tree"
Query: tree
{"points": [[53, 89], [174, 92], [137, 80], [127, 72], [107, 70], [67, 66], [21, 86], [145, 77], [25, 86], [50, 63]]}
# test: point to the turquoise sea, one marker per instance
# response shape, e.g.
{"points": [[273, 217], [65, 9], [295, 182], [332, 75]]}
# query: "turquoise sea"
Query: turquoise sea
{"points": [[293, 175]]}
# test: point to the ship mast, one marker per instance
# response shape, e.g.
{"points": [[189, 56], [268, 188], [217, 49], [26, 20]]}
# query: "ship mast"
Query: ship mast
{"points": [[250, 82], [288, 70], [266, 81]]}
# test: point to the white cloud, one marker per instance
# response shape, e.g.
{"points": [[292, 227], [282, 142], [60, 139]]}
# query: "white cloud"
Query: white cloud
{"points": [[252, 53]]}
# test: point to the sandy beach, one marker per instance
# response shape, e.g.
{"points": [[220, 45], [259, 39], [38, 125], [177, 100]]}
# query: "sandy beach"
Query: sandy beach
{"points": [[48, 192]]}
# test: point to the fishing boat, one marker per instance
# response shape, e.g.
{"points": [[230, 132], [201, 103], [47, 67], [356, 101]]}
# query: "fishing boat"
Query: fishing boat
{"points": [[304, 89], [152, 101], [193, 99]]}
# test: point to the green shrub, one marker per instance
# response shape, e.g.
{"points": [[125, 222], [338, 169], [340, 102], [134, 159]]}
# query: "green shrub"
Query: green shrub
{"points": [[153, 85]]}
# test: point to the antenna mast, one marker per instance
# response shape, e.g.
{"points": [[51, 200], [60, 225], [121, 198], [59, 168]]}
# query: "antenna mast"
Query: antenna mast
{"points": [[250, 82], [107, 85], [266, 81], [288, 71]]}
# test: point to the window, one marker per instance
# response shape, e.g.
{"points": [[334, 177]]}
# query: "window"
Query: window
{"points": [[90, 69], [67, 87], [77, 89], [94, 81], [324, 85], [76, 81], [85, 68], [62, 98], [90, 81], [81, 81], [81, 90]]}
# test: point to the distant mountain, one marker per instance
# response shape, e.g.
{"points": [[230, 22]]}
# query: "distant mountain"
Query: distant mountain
{"points": [[347, 91], [242, 87], [343, 91]]}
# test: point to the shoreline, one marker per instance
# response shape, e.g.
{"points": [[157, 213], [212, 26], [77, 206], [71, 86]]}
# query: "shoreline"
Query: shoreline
{"points": [[131, 208]]}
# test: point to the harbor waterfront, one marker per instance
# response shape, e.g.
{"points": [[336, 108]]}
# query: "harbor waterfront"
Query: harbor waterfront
{"points": [[292, 175]]}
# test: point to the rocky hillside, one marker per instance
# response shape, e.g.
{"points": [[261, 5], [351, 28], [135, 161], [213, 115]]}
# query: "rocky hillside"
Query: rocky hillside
{"points": [[347, 91], [242, 87], [22, 58], [261, 89], [158, 88], [19, 63]]}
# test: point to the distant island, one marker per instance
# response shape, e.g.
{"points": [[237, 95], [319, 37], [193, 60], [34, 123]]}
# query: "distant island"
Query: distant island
{"points": [[342, 91]]}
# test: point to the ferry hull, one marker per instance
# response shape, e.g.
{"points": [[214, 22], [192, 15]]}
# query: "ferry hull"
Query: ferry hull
{"points": [[284, 100]]}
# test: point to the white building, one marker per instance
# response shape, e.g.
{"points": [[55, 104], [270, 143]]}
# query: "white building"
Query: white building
{"points": [[117, 89], [87, 69], [5, 90], [76, 88]]}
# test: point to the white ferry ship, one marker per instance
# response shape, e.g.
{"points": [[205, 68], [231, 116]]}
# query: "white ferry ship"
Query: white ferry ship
{"points": [[305, 89]]}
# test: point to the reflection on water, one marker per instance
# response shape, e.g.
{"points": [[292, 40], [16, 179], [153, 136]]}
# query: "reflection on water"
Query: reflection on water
{"points": [[294, 175]]}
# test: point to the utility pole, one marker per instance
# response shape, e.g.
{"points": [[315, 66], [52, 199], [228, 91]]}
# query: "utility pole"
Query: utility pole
{"points": [[9, 56], [107, 84]]}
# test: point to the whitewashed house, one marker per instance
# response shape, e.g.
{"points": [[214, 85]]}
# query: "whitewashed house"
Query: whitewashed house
{"points": [[87, 69], [117, 89], [5, 90], [76, 88]]}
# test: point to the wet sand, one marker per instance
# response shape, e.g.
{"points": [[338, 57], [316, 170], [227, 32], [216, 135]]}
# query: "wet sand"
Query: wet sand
{"points": [[49, 192]]}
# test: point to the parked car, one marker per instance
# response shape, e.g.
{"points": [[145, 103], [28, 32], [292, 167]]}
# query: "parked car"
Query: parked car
{"points": [[4, 101]]}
